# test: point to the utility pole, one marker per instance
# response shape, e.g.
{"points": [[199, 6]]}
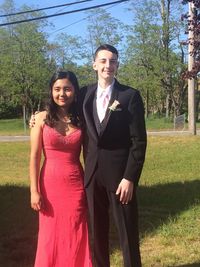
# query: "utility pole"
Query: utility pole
{"points": [[191, 81]]}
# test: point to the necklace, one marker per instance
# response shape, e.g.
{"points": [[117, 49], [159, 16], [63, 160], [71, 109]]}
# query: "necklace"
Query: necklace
{"points": [[63, 126], [65, 119]]}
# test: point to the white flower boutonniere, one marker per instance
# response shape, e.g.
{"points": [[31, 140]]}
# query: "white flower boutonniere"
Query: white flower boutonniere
{"points": [[114, 105]]}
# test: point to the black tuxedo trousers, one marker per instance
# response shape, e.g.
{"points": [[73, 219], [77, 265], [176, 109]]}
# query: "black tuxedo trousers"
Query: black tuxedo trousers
{"points": [[100, 202]]}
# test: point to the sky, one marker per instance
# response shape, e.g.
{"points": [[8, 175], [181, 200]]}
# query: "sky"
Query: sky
{"points": [[76, 23]]}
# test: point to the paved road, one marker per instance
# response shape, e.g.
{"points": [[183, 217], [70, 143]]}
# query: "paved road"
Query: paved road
{"points": [[14, 138], [155, 133], [171, 133]]}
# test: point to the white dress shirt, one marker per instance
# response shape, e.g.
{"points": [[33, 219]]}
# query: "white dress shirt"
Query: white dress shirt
{"points": [[101, 94]]}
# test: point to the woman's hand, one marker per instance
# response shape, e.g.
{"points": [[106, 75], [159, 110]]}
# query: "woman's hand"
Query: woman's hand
{"points": [[36, 201]]}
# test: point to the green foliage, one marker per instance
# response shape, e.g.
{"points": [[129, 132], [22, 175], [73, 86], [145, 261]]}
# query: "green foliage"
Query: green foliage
{"points": [[69, 49], [151, 56], [9, 110], [153, 62], [103, 28], [24, 65]]}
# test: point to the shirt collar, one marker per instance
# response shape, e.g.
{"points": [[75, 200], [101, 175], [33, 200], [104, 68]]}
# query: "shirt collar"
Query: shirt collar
{"points": [[107, 90]]}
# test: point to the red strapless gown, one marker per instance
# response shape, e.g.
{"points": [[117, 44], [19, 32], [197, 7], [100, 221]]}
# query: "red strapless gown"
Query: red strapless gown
{"points": [[63, 231]]}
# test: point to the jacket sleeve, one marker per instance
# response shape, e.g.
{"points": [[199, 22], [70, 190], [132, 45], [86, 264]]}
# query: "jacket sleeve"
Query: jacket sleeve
{"points": [[80, 100], [138, 137]]}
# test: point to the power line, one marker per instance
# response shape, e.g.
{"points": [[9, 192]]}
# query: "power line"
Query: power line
{"points": [[44, 8], [75, 22], [51, 33], [63, 13]]}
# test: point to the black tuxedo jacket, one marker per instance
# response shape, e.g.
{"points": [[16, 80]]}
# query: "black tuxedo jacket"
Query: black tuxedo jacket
{"points": [[117, 145]]}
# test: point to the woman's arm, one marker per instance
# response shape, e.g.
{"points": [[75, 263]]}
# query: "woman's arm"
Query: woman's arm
{"points": [[35, 158]]}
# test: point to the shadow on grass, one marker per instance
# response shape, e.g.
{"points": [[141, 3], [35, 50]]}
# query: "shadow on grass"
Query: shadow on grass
{"points": [[18, 227], [160, 203], [18, 223]]}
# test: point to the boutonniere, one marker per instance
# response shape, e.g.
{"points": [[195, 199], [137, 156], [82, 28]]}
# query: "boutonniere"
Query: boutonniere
{"points": [[114, 105]]}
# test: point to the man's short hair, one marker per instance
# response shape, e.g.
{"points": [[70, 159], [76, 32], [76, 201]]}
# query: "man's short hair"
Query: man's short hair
{"points": [[106, 47]]}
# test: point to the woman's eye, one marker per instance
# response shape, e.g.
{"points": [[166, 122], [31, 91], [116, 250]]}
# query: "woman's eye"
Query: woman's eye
{"points": [[68, 89]]}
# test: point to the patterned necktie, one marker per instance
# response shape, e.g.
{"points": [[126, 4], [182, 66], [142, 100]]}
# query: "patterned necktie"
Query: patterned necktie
{"points": [[105, 103], [104, 100]]}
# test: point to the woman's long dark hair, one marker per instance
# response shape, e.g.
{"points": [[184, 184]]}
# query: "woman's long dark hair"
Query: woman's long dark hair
{"points": [[52, 107]]}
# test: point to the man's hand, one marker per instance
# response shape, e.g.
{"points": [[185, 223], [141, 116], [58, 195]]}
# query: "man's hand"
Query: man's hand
{"points": [[125, 191], [32, 120]]}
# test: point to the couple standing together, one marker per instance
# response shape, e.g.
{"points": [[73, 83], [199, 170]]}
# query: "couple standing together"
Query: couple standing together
{"points": [[108, 119]]}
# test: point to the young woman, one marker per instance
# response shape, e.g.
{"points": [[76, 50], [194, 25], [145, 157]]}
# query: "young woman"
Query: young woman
{"points": [[57, 190]]}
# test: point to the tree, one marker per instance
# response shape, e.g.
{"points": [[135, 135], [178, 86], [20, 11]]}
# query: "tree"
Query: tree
{"points": [[153, 55], [103, 28], [27, 64], [195, 22], [69, 50]]}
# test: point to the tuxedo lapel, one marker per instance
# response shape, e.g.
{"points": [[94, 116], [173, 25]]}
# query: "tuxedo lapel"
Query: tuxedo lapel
{"points": [[96, 117], [88, 110], [114, 96]]}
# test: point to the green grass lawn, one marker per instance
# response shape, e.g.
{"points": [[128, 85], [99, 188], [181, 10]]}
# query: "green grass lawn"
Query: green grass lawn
{"points": [[169, 206], [13, 127], [16, 127], [160, 124]]}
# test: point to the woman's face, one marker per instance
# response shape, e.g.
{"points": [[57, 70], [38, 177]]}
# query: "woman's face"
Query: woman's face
{"points": [[63, 92]]}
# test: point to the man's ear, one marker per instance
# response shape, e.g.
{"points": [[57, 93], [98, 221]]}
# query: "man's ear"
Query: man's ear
{"points": [[117, 64], [94, 65]]}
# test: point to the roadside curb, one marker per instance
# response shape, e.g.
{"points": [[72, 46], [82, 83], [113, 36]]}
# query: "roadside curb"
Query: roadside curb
{"points": [[23, 138], [20, 138]]}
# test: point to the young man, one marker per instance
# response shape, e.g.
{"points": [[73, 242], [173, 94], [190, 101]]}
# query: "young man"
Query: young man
{"points": [[114, 151]]}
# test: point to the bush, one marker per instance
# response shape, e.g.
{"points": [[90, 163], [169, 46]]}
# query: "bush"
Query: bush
{"points": [[8, 110]]}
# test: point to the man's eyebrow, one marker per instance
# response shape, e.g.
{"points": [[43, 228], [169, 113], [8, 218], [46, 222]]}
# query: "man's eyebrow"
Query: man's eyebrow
{"points": [[108, 58]]}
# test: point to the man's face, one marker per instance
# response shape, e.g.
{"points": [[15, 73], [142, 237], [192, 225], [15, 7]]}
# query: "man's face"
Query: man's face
{"points": [[106, 65]]}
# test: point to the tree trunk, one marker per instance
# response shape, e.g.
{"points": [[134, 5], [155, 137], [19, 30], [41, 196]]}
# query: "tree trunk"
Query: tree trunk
{"points": [[24, 117], [167, 112]]}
